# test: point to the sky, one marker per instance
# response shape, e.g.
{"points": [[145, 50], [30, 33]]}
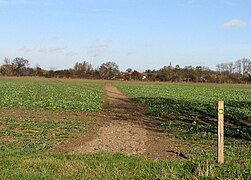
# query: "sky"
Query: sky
{"points": [[137, 34]]}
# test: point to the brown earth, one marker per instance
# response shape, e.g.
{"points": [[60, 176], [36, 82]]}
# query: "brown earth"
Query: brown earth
{"points": [[124, 127]]}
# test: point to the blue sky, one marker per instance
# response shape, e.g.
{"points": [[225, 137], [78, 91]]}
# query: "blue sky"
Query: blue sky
{"points": [[140, 34]]}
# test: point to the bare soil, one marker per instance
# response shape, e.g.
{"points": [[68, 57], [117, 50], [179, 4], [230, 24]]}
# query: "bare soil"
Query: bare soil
{"points": [[125, 127]]}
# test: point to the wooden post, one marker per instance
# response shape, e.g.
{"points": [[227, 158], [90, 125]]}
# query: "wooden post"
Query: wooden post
{"points": [[221, 132]]}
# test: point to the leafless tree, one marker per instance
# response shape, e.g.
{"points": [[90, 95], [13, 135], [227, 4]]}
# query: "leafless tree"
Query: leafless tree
{"points": [[238, 66], [6, 60], [18, 64], [245, 65], [83, 70], [109, 70]]}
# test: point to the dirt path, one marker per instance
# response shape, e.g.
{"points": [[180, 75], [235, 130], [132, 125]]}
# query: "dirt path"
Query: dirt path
{"points": [[125, 127]]}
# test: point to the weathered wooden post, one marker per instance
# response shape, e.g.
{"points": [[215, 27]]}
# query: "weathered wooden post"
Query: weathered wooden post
{"points": [[221, 132]]}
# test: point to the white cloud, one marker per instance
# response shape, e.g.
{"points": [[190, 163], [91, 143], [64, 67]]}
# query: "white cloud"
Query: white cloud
{"points": [[24, 49], [98, 49], [131, 53], [71, 53], [234, 23], [52, 50]]}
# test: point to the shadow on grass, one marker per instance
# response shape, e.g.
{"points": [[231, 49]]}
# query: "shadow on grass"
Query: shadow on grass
{"points": [[196, 119]]}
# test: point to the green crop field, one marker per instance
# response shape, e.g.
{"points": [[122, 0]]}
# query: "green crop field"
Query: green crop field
{"points": [[189, 112], [38, 115], [54, 95], [194, 106]]}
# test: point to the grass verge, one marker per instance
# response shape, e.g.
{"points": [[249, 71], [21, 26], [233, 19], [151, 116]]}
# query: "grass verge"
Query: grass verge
{"points": [[114, 166]]}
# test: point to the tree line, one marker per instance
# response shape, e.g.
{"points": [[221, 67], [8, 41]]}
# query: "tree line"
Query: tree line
{"points": [[233, 72]]}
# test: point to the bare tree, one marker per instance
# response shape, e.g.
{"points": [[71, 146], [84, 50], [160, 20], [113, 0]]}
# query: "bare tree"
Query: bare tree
{"points": [[249, 67], [218, 68], [238, 66], [231, 66], [109, 70], [19, 64], [6, 60], [83, 70], [245, 65], [6, 69]]}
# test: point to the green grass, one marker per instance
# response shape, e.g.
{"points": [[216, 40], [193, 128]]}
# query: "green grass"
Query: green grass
{"points": [[35, 119], [114, 166], [53, 95]]}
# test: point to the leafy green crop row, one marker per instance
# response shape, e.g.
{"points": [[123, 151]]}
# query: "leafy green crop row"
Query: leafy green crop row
{"points": [[22, 134], [74, 96], [189, 112], [193, 107]]}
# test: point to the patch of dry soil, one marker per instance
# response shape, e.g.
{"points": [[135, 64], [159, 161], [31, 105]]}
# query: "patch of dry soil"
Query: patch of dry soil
{"points": [[124, 127]]}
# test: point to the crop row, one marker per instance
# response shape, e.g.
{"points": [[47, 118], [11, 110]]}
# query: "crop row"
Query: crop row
{"points": [[27, 134], [195, 105], [74, 96]]}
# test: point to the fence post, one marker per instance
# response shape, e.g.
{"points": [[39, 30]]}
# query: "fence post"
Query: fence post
{"points": [[221, 132]]}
